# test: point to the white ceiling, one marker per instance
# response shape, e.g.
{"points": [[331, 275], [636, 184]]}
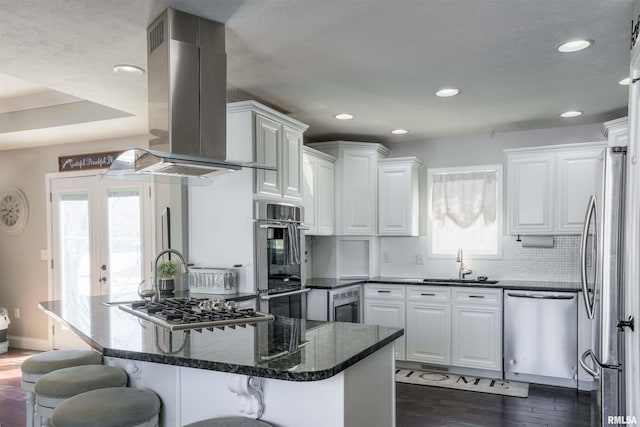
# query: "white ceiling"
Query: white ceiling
{"points": [[381, 60]]}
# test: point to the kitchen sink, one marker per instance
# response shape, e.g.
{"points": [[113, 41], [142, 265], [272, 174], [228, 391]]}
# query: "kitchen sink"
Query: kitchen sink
{"points": [[482, 281]]}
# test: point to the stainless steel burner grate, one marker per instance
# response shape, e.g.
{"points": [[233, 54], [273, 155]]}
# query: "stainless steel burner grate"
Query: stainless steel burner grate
{"points": [[192, 313]]}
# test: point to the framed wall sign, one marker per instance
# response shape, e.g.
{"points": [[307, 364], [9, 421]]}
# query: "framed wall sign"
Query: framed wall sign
{"points": [[78, 162]]}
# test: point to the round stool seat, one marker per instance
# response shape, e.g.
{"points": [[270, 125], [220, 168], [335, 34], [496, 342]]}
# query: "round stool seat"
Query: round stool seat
{"points": [[229, 422], [107, 407], [43, 363], [62, 384], [37, 365]]}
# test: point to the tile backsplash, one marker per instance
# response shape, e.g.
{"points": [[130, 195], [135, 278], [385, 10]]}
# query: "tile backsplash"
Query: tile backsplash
{"points": [[559, 263]]}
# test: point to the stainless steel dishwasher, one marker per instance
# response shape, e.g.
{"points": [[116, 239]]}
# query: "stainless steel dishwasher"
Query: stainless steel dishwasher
{"points": [[541, 337]]}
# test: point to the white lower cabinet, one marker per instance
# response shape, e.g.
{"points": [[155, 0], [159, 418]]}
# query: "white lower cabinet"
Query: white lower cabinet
{"points": [[428, 331], [385, 306], [450, 326], [476, 333]]}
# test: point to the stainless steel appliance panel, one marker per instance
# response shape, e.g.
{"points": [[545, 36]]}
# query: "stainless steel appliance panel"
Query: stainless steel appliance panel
{"points": [[604, 298], [540, 333], [336, 305]]}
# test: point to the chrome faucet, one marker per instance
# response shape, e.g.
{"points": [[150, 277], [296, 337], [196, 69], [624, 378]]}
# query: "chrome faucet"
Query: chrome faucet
{"points": [[462, 272], [184, 269]]}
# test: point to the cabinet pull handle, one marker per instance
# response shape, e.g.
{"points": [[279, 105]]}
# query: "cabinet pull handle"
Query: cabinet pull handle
{"points": [[476, 296], [428, 295], [384, 292]]}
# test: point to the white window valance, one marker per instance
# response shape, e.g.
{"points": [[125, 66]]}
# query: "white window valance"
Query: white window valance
{"points": [[463, 197]]}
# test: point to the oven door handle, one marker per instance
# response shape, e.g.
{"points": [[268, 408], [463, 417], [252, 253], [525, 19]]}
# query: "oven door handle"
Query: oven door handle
{"points": [[267, 297]]}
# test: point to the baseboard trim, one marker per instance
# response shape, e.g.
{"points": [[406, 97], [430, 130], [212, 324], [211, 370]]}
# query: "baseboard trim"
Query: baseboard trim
{"points": [[26, 343]]}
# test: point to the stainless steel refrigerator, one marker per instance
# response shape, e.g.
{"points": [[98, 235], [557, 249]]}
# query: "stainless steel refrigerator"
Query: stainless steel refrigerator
{"points": [[602, 284]]}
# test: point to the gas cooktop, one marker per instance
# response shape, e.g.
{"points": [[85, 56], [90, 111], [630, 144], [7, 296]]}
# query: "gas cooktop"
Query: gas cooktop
{"points": [[178, 314]]}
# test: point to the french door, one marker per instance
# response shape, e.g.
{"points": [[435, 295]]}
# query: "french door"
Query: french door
{"points": [[101, 233]]}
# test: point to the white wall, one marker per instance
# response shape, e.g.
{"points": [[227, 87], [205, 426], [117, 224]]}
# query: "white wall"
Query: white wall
{"points": [[24, 281]]}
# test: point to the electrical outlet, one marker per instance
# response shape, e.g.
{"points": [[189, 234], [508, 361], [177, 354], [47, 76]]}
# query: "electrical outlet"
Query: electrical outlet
{"points": [[417, 259], [16, 313], [385, 257]]}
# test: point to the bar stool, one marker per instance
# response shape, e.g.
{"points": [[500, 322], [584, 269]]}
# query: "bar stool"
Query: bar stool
{"points": [[43, 363], [55, 387], [229, 422], [109, 407]]}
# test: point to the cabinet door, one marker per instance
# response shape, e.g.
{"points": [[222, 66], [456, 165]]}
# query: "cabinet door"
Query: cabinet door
{"points": [[325, 197], [291, 164], [309, 194], [531, 193], [576, 181], [429, 333], [396, 201], [476, 340], [268, 145], [390, 314], [359, 192]]}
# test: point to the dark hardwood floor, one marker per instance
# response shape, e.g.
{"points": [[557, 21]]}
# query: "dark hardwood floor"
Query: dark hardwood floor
{"points": [[416, 406]]}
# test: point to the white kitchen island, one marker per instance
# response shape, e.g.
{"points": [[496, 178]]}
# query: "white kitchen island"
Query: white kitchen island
{"points": [[288, 372]]}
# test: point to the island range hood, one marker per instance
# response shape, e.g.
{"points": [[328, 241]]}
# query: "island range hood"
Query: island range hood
{"points": [[187, 88]]}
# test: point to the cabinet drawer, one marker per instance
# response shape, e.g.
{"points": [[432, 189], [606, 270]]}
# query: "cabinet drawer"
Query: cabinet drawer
{"points": [[387, 292], [477, 296], [428, 293]]}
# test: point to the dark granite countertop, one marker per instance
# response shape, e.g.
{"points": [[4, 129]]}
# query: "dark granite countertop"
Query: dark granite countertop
{"points": [[320, 350], [328, 283]]}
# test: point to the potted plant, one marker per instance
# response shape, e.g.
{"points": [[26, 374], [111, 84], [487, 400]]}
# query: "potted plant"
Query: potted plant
{"points": [[166, 271]]}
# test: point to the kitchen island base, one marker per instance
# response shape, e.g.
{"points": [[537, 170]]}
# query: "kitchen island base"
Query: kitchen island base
{"points": [[361, 395]]}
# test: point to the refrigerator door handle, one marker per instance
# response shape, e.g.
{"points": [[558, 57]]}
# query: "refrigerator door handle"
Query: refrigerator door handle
{"points": [[583, 362], [591, 211]]}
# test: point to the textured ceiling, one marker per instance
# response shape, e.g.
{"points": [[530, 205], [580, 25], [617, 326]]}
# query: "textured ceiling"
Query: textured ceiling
{"points": [[381, 60]]}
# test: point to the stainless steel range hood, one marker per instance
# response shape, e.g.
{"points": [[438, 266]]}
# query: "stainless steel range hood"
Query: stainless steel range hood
{"points": [[187, 88]]}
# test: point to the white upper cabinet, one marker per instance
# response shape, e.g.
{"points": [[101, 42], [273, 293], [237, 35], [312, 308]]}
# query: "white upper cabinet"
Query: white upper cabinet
{"points": [[356, 186], [577, 180], [277, 141], [530, 192], [318, 191], [398, 196], [548, 187]]}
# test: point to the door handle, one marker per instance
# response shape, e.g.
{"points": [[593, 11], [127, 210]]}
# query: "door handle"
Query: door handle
{"points": [[103, 279], [103, 267], [587, 368], [539, 296], [591, 211]]}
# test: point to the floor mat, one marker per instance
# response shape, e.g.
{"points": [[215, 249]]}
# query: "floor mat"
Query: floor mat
{"points": [[462, 382]]}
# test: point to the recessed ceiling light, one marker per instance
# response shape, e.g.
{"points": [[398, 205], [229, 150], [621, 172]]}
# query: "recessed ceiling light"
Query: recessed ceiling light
{"points": [[399, 131], [624, 82], [574, 45], [568, 114], [444, 93], [344, 116], [129, 70]]}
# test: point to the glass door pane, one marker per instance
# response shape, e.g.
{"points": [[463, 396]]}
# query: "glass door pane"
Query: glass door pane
{"points": [[74, 245], [125, 243]]}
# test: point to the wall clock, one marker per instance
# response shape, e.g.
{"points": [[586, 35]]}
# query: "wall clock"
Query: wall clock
{"points": [[14, 211]]}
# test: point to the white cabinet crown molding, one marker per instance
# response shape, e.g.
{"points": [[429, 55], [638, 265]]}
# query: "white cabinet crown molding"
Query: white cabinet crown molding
{"points": [[556, 147], [242, 106], [381, 149], [617, 132], [401, 160], [312, 151]]}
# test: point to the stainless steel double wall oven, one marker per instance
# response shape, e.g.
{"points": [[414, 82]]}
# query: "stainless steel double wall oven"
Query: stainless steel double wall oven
{"points": [[279, 259]]}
